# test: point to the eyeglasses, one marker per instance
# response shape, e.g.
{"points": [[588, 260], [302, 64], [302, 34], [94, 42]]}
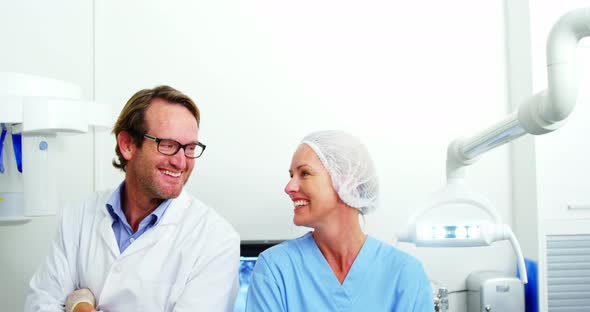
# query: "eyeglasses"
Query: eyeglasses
{"points": [[170, 147]]}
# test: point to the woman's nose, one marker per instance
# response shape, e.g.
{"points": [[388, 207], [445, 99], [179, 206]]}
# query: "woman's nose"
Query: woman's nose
{"points": [[291, 186]]}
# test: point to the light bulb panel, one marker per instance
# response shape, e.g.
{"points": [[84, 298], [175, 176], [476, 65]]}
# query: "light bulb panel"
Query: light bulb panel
{"points": [[454, 235]]}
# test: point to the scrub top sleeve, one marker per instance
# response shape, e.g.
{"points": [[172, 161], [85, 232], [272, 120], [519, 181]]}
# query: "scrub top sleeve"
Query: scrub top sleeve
{"points": [[415, 294], [263, 293], [214, 286], [55, 278], [424, 300]]}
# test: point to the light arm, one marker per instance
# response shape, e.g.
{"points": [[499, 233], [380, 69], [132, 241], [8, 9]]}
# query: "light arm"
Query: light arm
{"points": [[543, 112], [519, 256]]}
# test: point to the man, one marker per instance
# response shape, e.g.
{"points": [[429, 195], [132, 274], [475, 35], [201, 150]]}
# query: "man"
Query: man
{"points": [[147, 246]]}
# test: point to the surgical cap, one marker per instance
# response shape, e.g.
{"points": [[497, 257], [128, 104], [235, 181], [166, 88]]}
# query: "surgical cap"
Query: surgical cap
{"points": [[350, 166]]}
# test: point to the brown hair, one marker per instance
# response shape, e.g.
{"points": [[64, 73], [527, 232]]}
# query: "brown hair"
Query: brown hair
{"points": [[132, 117]]}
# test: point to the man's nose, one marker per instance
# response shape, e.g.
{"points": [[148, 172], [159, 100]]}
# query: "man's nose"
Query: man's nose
{"points": [[178, 160]]}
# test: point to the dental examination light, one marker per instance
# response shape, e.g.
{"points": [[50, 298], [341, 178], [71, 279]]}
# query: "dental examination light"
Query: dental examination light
{"points": [[472, 233], [542, 113]]}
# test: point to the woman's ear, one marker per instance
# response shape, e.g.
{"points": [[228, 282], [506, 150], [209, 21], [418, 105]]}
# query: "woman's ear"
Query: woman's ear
{"points": [[126, 144]]}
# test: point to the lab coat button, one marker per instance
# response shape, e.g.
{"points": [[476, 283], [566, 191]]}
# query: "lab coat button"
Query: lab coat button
{"points": [[131, 240]]}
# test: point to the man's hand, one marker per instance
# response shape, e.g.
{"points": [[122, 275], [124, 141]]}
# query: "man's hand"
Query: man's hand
{"points": [[84, 307], [80, 300]]}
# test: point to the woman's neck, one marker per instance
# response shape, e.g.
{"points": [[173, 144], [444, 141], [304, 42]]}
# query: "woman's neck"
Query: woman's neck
{"points": [[340, 243]]}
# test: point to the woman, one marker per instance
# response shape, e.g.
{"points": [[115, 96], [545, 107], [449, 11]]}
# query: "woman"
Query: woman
{"points": [[336, 267]]}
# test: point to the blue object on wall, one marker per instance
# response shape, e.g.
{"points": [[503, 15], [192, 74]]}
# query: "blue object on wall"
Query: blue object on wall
{"points": [[531, 289], [43, 145], [18, 150], [2, 137]]}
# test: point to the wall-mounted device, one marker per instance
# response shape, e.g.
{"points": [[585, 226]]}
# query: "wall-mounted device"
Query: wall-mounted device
{"points": [[491, 291], [33, 110]]}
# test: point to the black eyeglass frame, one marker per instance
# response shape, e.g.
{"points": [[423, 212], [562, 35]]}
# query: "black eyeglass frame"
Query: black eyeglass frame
{"points": [[179, 146]]}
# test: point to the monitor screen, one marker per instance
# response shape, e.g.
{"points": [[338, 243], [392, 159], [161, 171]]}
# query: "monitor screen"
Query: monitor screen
{"points": [[249, 251]]}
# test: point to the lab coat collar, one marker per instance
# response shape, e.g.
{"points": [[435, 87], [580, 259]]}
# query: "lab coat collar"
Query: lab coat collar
{"points": [[176, 210], [174, 215], [107, 234]]}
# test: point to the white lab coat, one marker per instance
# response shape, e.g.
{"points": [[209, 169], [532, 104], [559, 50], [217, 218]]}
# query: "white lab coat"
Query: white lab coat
{"points": [[187, 262]]}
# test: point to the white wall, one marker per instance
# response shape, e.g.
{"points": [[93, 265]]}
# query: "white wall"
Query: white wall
{"points": [[407, 78], [52, 39]]}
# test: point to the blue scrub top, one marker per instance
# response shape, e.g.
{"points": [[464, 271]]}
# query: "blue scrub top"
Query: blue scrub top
{"points": [[295, 276]]}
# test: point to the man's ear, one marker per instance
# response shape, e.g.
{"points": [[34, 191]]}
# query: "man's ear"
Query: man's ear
{"points": [[126, 144]]}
